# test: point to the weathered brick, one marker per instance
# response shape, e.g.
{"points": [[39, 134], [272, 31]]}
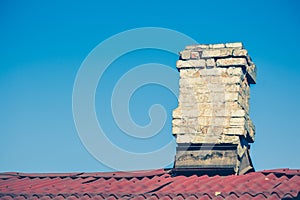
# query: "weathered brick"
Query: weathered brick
{"points": [[235, 131], [190, 64], [210, 63], [237, 121], [234, 45], [232, 80], [217, 46], [230, 139], [235, 71], [225, 62], [186, 54], [195, 55], [215, 88], [197, 46], [232, 96], [235, 87], [240, 52], [216, 53], [206, 138], [237, 113], [212, 72], [177, 113]]}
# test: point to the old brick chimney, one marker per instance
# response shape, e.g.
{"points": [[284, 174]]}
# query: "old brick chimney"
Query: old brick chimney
{"points": [[211, 123]]}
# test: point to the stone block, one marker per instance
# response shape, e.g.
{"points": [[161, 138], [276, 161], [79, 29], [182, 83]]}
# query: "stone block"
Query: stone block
{"points": [[216, 53], [211, 98], [213, 121], [232, 80], [234, 45], [177, 113], [178, 122], [230, 139], [187, 100], [176, 130], [232, 105], [226, 62], [216, 87], [195, 55], [184, 84], [203, 99], [191, 112], [202, 90], [182, 138], [213, 79], [215, 130], [186, 54], [200, 81], [232, 96], [197, 46], [243, 104], [233, 71], [228, 109], [217, 46], [240, 52], [198, 138], [187, 129], [237, 121], [234, 87], [235, 131], [190, 73], [210, 63], [238, 113], [213, 72], [190, 64]]}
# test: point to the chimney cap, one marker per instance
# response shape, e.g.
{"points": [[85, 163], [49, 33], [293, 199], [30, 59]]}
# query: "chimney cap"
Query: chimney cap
{"points": [[221, 55]]}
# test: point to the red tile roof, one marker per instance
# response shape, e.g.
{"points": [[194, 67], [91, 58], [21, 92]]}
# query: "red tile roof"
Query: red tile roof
{"points": [[157, 184]]}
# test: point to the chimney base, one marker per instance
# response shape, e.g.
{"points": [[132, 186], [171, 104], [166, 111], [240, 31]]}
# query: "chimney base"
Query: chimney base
{"points": [[212, 159]]}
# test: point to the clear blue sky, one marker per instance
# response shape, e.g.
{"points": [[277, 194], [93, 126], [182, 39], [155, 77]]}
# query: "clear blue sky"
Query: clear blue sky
{"points": [[43, 43]]}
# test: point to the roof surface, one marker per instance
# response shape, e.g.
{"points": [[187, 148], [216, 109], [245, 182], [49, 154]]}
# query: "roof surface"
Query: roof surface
{"points": [[157, 184]]}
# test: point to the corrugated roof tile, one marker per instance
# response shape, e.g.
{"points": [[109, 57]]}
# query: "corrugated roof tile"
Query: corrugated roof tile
{"points": [[157, 184]]}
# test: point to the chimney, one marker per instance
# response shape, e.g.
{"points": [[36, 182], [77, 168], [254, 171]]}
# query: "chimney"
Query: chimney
{"points": [[211, 123]]}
